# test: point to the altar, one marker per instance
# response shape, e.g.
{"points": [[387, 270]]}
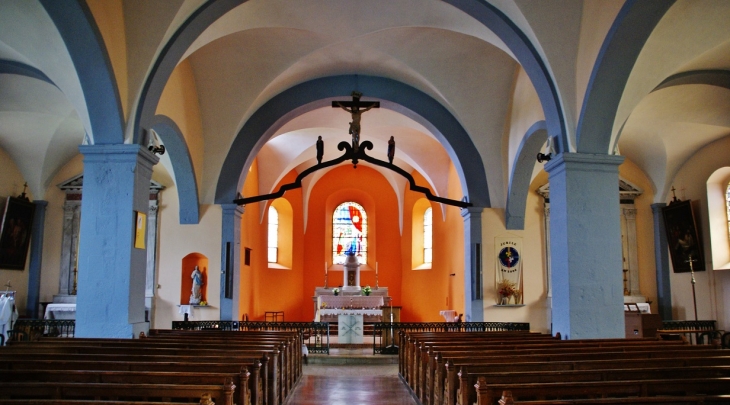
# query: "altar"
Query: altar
{"points": [[330, 307], [60, 311], [377, 299]]}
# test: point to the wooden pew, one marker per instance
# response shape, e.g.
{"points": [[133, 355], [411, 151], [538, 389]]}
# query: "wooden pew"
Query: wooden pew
{"points": [[221, 393], [488, 394], [430, 373], [290, 364], [90, 402], [146, 355], [290, 356], [429, 370], [432, 388], [133, 350], [254, 392]]}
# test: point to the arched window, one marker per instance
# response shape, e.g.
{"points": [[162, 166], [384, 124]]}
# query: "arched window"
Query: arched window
{"points": [[349, 232], [428, 236], [273, 253]]}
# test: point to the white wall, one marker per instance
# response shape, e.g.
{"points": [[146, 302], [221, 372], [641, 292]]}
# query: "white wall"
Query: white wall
{"points": [[713, 286], [177, 241]]}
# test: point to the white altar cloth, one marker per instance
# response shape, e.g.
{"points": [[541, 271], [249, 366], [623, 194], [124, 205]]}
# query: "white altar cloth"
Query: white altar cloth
{"points": [[449, 315], [350, 329], [370, 312], [355, 302], [60, 311]]}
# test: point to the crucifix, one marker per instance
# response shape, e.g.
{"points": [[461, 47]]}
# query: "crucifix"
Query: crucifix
{"points": [[690, 260], [355, 108]]}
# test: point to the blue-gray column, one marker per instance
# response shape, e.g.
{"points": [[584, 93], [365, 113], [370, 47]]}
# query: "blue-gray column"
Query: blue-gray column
{"points": [[473, 282], [36, 256], [230, 260], [111, 273], [661, 255], [585, 242]]}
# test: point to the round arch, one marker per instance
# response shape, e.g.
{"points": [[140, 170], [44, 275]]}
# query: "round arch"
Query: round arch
{"points": [[317, 93]]}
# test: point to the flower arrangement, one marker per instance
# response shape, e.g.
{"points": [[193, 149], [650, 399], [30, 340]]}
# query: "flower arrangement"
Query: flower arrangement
{"points": [[367, 290], [506, 288], [336, 291]]}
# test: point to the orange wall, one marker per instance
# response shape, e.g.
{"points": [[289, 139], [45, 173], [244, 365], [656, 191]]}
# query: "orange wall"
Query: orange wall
{"points": [[250, 238], [368, 188], [291, 290], [430, 291]]}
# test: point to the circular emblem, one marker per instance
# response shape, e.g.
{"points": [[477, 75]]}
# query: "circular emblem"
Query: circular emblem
{"points": [[509, 257]]}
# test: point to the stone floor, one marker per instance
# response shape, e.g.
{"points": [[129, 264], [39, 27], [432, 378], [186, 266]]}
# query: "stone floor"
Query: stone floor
{"points": [[352, 376]]}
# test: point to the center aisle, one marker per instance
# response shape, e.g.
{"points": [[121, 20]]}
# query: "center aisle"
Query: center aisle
{"points": [[326, 382]]}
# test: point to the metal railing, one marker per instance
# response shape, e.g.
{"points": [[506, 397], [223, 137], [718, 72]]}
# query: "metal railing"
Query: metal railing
{"points": [[31, 329], [316, 335], [704, 332], [386, 338]]}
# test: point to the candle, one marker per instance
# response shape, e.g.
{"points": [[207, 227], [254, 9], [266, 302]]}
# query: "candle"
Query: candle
{"points": [[325, 268], [376, 268]]}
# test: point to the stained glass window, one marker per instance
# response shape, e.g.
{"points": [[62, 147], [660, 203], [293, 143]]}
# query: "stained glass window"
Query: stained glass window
{"points": [[273, 253], [428, 236], [349, 233]]}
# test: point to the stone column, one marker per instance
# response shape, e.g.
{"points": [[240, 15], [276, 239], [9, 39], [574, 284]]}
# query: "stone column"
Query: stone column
{"points": [[585, 243], [661, 255], [473, 281], [36, 255], [111, 277], [230, 261]]}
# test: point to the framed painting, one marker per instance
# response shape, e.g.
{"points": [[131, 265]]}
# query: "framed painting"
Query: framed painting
{"points": [[15, 229], [682, 236]]}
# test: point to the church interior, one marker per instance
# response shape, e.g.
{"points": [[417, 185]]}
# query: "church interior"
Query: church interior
{"points": [[562, 139]]}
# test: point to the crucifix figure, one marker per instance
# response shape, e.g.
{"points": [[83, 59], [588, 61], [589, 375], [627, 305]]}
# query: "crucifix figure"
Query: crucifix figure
{"points": [[355, 108]]}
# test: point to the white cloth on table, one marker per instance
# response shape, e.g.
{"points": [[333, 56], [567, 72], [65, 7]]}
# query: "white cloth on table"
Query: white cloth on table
{"points": [[60, 311], [449, 315], [8, 314], [351, 301], [369, 312], [187, 309]]}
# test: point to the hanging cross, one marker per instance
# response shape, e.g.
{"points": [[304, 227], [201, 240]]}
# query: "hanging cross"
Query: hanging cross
{"points": [[355, 108]]}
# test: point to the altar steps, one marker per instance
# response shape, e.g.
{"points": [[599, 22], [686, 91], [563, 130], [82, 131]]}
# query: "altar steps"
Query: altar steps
{"points": [[351, 354]]}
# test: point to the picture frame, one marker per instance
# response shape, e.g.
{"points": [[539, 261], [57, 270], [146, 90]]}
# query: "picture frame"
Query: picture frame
{"points": [[15, 231], [682, 237]]}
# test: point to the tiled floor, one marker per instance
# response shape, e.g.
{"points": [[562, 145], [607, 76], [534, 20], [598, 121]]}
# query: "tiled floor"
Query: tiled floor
{"points": [[350, 384]]}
